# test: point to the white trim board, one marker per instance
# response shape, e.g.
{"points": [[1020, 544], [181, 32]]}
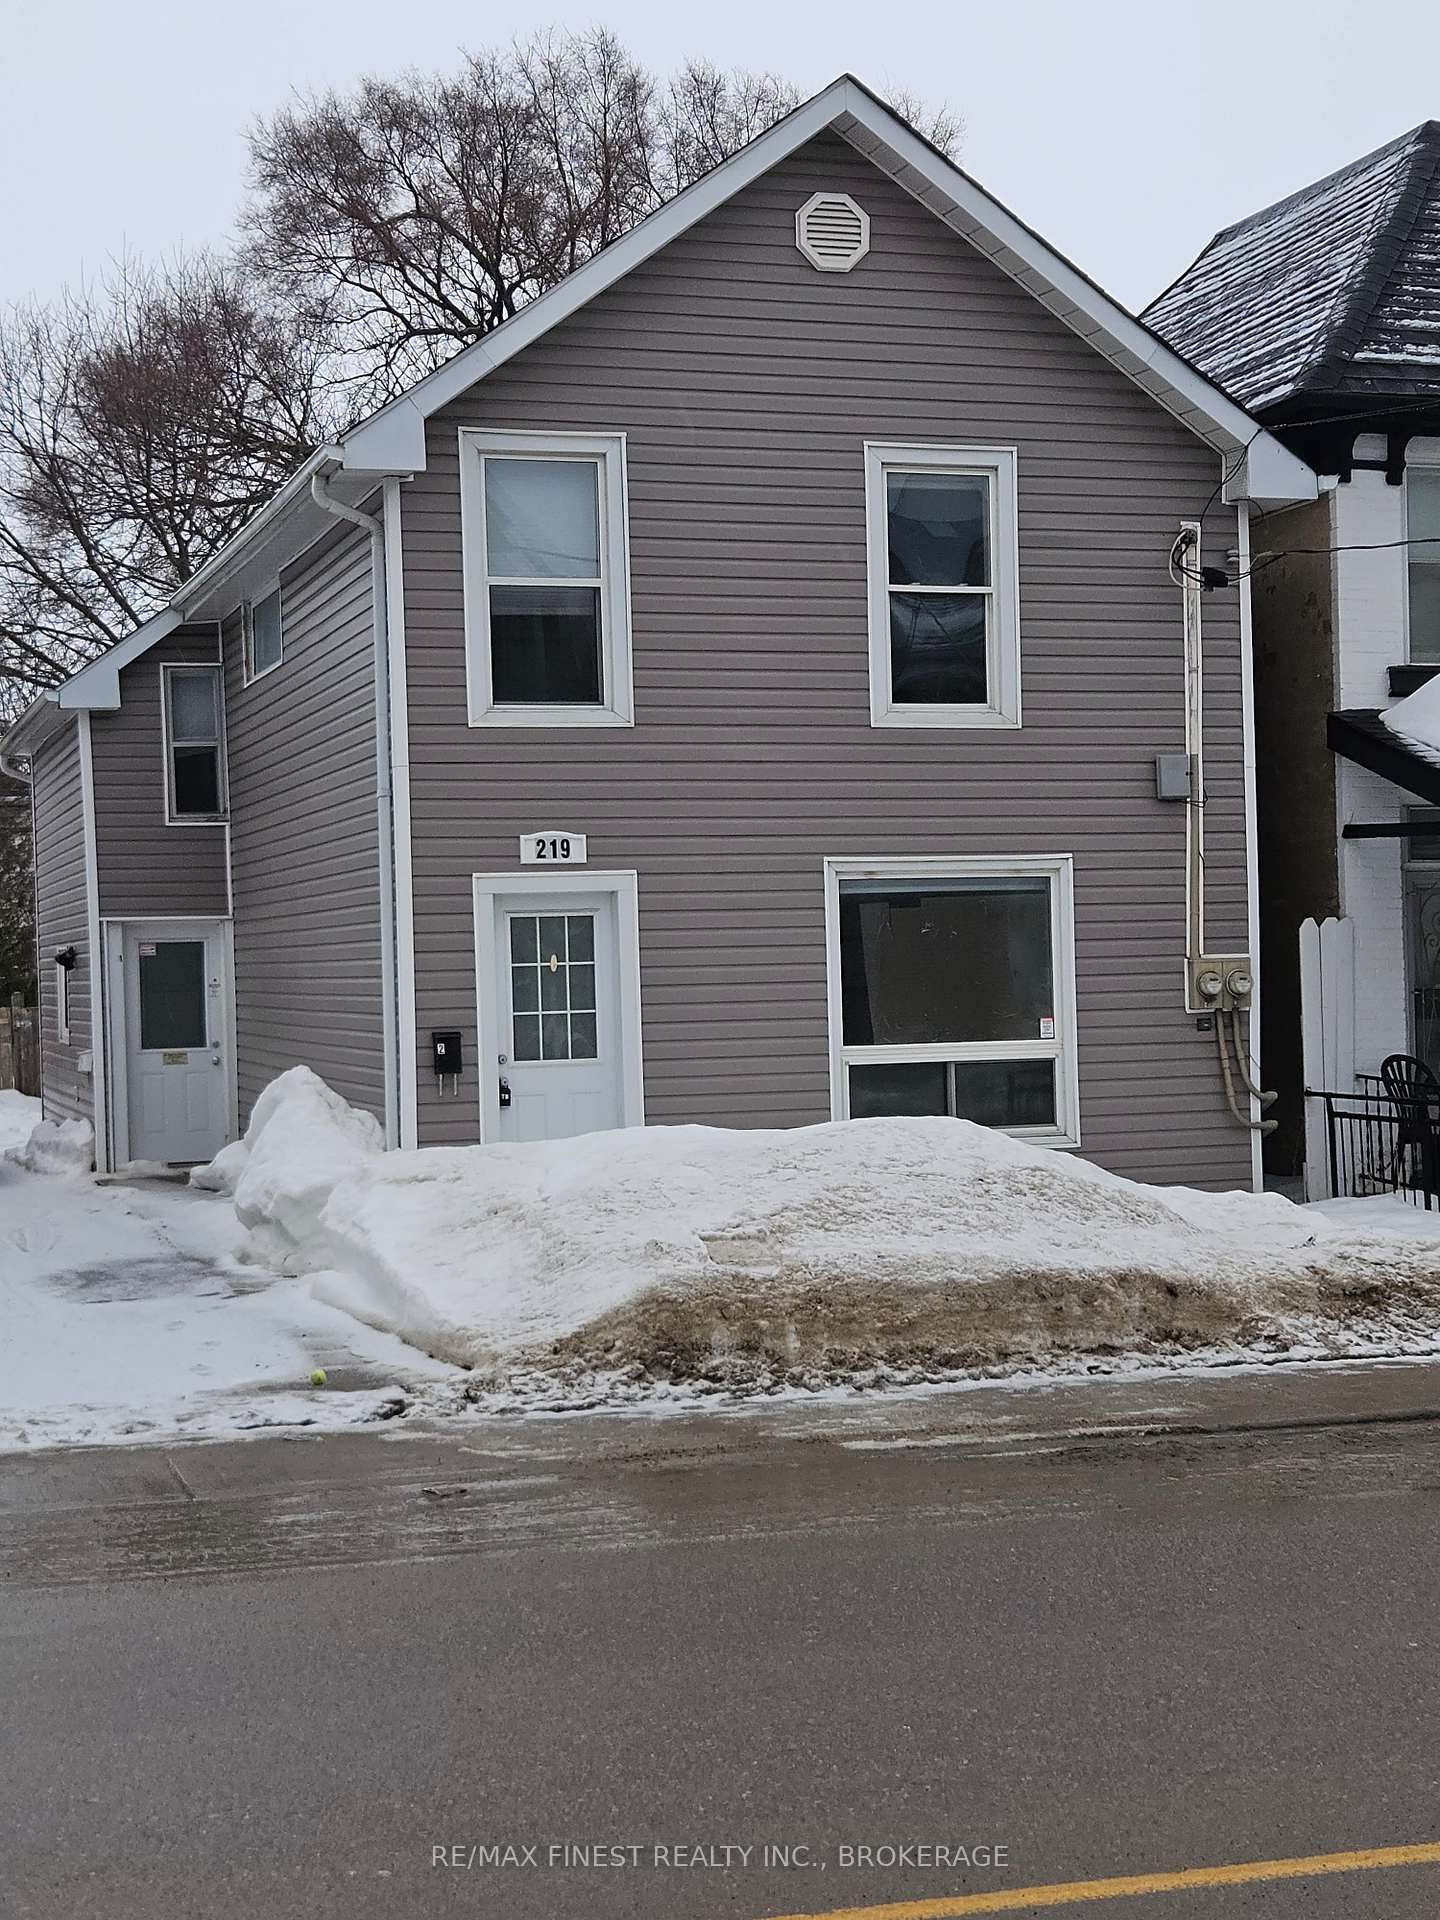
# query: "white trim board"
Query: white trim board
{"points": [[99, 1094], [406, 1038], [1059, 869], [393, 439], [624, 886]]}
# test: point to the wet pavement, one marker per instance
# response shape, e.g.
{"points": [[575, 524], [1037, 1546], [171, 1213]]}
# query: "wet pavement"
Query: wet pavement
{"points": [[1111, 1627]]}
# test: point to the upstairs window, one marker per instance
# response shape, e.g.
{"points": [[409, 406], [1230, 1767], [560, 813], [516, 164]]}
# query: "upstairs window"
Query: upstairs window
{"points": [[1422, 528], [264, 635], [944, 593], [194, 760], [546, 586]]}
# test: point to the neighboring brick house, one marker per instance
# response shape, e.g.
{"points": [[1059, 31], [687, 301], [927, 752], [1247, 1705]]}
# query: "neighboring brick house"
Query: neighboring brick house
{"points": [[729, 692]]}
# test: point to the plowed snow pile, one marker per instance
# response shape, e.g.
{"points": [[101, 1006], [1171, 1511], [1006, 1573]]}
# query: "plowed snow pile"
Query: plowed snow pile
{"points": [[829, 1251]]}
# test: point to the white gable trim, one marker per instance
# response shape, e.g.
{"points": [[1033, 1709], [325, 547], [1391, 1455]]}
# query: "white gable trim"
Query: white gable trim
{"points": [[394, 438]]}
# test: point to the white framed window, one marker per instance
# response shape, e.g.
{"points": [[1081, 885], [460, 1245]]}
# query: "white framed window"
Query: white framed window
{"points": [[952, 990], [547, 579], [944, 575], [263, 627], [62, 1001], [194, 745], [1422, 561]]}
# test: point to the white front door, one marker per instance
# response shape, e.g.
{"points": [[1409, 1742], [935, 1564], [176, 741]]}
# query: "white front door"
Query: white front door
{"points": [[557, 996], [175, 1068]]}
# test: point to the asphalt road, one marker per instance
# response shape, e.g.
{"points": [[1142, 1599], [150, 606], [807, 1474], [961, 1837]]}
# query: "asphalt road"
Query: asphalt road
{"points": [[277, 1679]]}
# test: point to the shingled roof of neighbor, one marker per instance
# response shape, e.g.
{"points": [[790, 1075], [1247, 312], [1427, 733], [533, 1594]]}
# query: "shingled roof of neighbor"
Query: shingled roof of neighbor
{"points": [[1334, 290]]}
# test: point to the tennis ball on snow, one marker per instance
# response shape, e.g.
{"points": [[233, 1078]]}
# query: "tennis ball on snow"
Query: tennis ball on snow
{"points": [[317, 1376]]}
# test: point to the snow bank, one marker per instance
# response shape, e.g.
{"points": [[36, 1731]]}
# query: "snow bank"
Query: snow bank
{"points": [[303, 1141], [1416, 719], [703, 1253], [19, 1116], [58, 1146]]}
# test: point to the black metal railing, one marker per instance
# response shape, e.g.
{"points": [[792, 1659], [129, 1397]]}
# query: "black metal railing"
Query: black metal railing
{"points": [[1378, 1144]]}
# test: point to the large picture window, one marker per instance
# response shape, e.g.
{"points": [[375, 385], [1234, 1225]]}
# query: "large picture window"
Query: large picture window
{"points": [[546, 592], [194, 755], [944, 595], [955, 991]]}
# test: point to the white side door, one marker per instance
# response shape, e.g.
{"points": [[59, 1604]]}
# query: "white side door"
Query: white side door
{"points": [[557, 998], [175, 1027]]}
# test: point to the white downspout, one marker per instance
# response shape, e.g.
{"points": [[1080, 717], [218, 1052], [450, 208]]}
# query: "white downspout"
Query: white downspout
{"points": [[1194, 755], [384, 799], [1252, 849]]}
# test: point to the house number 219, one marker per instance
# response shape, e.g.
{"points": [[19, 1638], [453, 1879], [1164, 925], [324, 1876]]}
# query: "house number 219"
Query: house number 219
{"points": [[552, 848]]}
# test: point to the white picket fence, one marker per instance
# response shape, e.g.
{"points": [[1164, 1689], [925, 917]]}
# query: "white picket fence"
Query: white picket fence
{"points": [[1327, 1033]]}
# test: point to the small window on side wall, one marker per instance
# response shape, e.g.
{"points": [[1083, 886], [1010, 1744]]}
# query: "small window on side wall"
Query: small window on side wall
{"points": [[944, 586], [547, 605], [264, 635], [194, 756]]}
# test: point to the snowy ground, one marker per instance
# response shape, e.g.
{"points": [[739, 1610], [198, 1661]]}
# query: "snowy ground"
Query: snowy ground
{"points": [[659, 1270], [125, 1316]]}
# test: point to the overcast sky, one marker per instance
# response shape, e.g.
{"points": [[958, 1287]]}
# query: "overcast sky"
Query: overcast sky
{"points": [[1126, 133]]}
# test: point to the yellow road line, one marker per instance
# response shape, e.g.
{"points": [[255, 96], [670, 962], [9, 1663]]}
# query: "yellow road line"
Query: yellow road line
{"points": [[1132, 1886]]}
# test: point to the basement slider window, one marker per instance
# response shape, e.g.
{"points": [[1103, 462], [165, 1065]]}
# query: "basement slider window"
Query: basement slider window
{"points": [[547, 613], [956, 992]]}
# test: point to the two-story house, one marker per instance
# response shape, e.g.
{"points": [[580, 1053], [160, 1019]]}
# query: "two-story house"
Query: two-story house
{"points": [[767, 680], [1322, 314]]}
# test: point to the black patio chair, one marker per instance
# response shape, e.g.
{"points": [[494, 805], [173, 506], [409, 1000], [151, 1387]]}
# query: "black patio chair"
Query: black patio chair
{"points": [[1414, 1092]]}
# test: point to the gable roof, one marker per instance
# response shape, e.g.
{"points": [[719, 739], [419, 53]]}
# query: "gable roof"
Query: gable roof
{"points": [[393, 439], [1334, 290]]}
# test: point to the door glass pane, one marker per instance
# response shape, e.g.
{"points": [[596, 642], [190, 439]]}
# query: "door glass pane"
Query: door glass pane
{"points": [[542, 519], [197, 779], [194, 706], [552, 996], [937, 526], [937, 648], [1422, 514], [172, 994], [894, 1088], [1005, 1093], [545, 645], [965, 960]]}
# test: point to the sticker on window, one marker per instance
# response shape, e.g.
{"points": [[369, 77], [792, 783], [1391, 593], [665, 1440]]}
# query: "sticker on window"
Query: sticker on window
{"points": [[1047, 1026], [147, 949]]}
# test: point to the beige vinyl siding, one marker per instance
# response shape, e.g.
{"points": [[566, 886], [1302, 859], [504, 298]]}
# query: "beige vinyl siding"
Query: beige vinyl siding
{"points": [[145, 866], [304, 861], [62, 920], [746, 384]]}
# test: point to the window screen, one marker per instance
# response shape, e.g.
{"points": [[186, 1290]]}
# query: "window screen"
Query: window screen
{"points": [[544, 575], [940, 587], [172, 994]]}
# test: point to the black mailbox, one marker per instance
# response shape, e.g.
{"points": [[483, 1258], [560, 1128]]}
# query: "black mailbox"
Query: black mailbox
{"points": [[445, 1052]]}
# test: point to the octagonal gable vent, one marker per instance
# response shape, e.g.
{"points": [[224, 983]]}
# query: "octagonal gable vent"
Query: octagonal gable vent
{"points": [[832, 232]]}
